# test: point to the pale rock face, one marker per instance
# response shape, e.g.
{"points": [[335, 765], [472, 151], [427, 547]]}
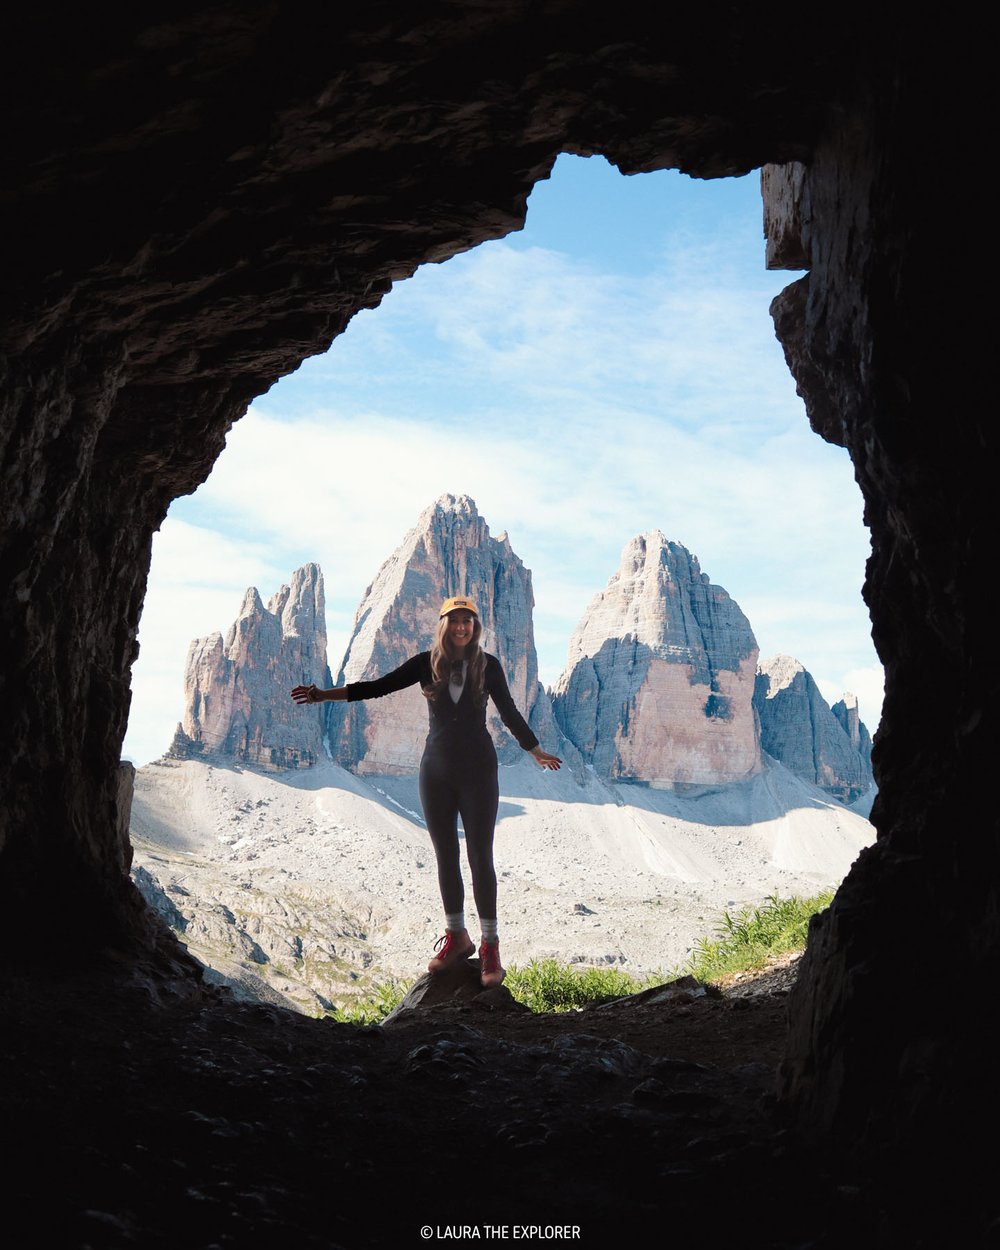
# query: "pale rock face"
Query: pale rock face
{"points": [[659, 683], [450, 551], [828, 747], [846, 711], [236, 689]]}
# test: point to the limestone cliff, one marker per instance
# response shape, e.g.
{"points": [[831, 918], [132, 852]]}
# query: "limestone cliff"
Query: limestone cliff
{"points": [[236, 688], [846, 711], [659, 682], [449, 551], [829, 747]]}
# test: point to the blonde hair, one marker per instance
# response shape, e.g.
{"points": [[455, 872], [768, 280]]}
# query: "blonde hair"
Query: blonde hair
{"points": [[442, 660]]}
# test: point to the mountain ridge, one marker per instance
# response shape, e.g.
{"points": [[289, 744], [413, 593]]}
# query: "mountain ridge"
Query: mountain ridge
{"points": [[661, 686]]}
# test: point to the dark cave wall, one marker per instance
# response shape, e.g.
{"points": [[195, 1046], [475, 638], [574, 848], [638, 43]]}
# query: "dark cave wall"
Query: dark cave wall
{"points": [[198, 198], [876, 339]]}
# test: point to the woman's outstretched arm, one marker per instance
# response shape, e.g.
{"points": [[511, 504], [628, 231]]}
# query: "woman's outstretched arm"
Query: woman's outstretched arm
{"points": [[408, 674], [313, 694], [496, 684]]}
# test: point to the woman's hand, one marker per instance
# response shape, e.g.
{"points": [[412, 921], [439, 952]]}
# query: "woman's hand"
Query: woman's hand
{"points": [[544, 760], [313, 694]]}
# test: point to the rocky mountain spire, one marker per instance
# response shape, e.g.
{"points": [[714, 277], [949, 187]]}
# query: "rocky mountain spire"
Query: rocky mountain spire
{"points": [[846, 711], [659, 682], [450, 551], [236, 688], [829, 747]]}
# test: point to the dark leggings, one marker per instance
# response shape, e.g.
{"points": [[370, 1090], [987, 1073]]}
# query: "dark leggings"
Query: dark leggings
{"points": [[453, 787]]}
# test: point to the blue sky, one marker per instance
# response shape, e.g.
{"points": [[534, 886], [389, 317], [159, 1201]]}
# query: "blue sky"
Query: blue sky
{"points": [[608, 370]]}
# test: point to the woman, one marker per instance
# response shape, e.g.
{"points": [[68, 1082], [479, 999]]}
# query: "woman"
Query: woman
{"points": [[458, 770]]}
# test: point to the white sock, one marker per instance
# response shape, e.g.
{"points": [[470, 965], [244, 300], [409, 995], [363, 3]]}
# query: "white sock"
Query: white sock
{"points": [[454, 922], [489, 930]]}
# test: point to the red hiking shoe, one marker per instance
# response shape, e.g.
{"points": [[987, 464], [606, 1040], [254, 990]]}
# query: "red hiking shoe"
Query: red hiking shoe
{"points": [[450, 949], [491, 971]]}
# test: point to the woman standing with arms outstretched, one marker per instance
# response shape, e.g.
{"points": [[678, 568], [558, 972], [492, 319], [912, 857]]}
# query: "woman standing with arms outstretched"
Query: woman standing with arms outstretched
{"points": [[458, 770]]}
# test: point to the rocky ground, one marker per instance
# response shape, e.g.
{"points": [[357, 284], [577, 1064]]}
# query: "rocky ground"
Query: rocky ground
{"points": [[142, 1116], [306, 885]]}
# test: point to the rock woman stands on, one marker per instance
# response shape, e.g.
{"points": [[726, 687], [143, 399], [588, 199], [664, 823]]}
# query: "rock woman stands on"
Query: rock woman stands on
{"points": [[458, 769]]}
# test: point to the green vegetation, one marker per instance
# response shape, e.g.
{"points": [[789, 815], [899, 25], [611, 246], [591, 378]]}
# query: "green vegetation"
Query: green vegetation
{"points": [[372, 1008], [744, 943], [545, 985], [749, 940]]}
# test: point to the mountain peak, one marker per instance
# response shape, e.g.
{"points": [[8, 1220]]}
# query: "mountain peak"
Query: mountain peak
{"points": [[448, 552], [458, 505], [828, 747], [781, 671], [659, 682], [252, 603], [236, 690]]}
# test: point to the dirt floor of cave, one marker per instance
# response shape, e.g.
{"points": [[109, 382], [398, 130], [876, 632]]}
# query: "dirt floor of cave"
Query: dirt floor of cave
{"points": [[184, 1119]]}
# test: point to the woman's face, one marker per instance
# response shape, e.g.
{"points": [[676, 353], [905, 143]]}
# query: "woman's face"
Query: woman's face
{"points": [[460, 627]]}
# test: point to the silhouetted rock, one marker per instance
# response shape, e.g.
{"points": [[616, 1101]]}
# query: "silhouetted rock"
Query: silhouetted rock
{"points": [[199, 198], [456, 985]]}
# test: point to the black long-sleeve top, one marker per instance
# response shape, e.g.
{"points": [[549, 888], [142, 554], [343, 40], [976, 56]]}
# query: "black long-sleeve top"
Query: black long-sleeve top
{"points": [[451, 724]]}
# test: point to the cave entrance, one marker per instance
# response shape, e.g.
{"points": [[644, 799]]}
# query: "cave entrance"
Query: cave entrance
{"points": [[611, 369]]}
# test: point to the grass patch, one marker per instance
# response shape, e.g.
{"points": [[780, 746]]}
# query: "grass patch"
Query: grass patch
{"points": [[373, 1007], [546, 985], [744, 942], [747, 941]]}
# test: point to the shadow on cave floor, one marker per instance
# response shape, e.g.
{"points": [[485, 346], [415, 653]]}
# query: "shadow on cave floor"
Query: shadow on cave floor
{"points": [[201, 1122]]}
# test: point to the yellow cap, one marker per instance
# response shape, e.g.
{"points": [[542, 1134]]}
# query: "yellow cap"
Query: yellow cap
{"points": [[452, 605]]}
